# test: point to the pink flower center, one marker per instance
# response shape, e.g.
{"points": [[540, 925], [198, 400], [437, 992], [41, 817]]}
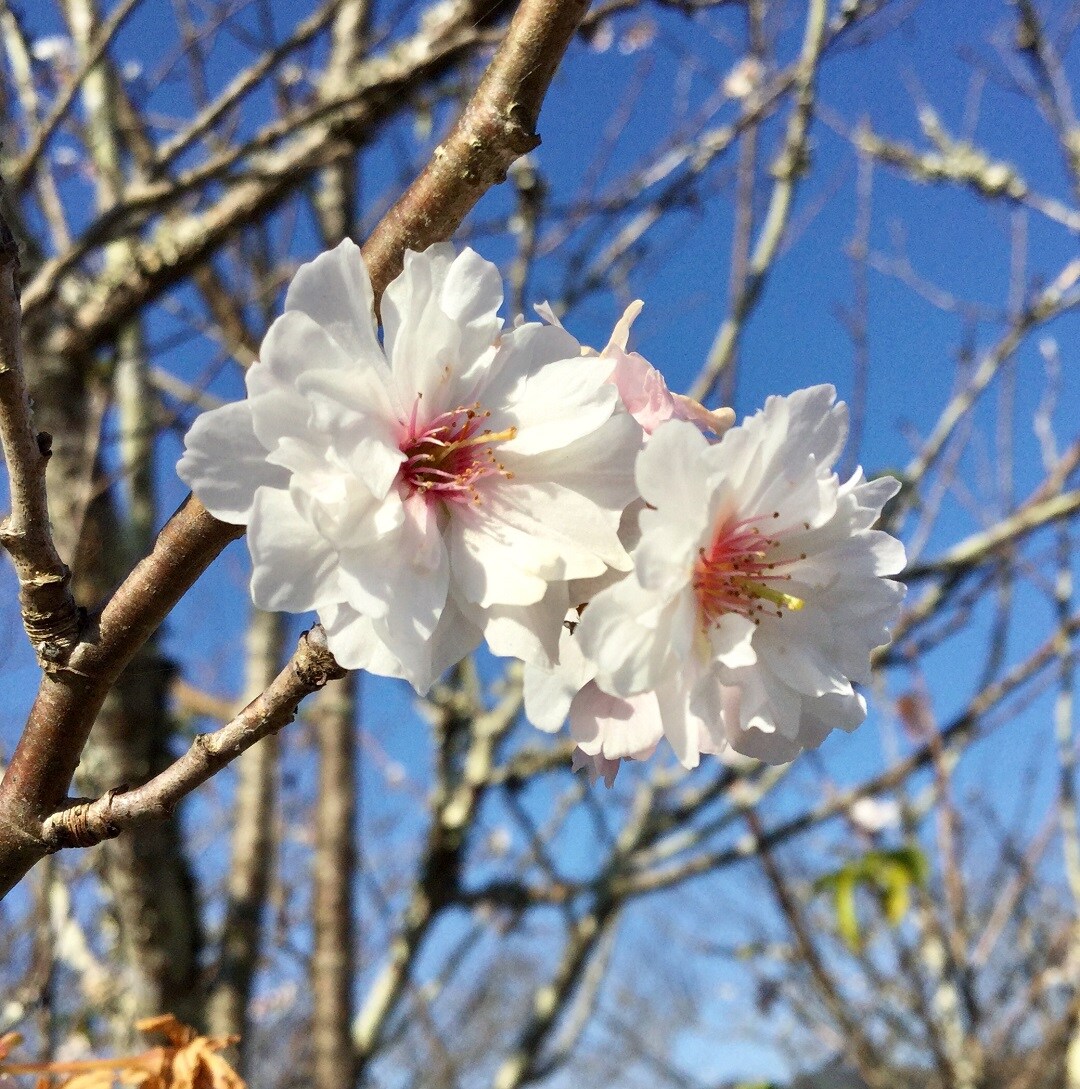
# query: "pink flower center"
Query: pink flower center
{"points": [[448, 456], [736, 575]]}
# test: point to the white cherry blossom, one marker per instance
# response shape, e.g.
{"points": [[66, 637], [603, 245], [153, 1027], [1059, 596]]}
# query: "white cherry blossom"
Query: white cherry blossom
{"points": [[758, 592], [428, 491]]}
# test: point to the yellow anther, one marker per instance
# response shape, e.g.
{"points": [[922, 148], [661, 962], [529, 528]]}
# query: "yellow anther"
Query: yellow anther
{"points": [[759, 589]]}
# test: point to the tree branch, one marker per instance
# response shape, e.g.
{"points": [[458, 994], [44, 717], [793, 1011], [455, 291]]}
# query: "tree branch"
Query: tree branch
{"points": [[90, 822], [497, 126], [507, 100], [49, 614], [789, 170]]}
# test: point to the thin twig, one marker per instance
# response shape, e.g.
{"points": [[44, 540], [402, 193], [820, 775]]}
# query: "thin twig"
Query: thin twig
{"points": [[789, 170], [23, 168], [90, 822]]}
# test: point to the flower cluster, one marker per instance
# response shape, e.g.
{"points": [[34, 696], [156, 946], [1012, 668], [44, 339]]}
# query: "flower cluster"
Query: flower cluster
{"points": [[659, 571]]}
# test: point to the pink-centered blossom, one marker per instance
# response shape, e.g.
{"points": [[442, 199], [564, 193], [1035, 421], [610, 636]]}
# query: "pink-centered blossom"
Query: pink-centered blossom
{"points": [[422, 493], [759, 590]]}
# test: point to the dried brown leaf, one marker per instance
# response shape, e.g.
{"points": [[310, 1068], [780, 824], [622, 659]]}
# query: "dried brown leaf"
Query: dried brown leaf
{"points": [[176, 1032]]}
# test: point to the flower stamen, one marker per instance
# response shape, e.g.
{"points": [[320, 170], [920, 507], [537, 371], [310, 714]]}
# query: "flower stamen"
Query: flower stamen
{"points": [[447, 457], [736, 575]]}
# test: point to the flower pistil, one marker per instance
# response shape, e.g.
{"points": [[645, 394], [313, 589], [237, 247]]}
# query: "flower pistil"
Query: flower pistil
{"points": [[447, 457], [736, 575]]}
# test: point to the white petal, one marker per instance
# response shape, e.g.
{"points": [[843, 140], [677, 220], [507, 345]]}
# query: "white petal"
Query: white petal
{"points": [[471, 296], [294, 568], [796, 647], [522, 352], [433, 356], [485, 555], [334, 290], [670, 472], [528, 632], [548, 691], [294, 344], [362, 390], [681, 728], [401, 578], [563, 401], [731, 641], [766, 704], [615, 728], [599, 466], [635, 639], [455, 637], [620, 335], [354, 643], [224, 464], [416, 581], [507, 548]]}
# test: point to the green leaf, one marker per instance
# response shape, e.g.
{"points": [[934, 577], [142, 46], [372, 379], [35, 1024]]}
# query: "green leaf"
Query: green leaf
{"points": [[888, 875]]}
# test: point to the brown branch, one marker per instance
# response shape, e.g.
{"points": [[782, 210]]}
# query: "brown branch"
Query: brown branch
{"points": [[90, 822], [49, 614], [69, 699], [497, 126], [45, 759]]}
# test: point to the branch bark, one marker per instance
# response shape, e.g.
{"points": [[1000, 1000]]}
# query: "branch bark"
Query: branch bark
{"points": [[332, 962], [252, 852], [48, 610], [505, 107], [90, 822], [497, 126]]}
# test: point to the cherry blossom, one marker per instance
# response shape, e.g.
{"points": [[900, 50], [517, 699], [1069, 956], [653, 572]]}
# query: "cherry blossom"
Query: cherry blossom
{"points": [[422, 493], [642, 387], [759, 590]]}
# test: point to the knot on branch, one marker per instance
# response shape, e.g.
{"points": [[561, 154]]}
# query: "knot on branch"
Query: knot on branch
{"points": [[314, 664], [84, 824], [494, 138], [54, 623]]}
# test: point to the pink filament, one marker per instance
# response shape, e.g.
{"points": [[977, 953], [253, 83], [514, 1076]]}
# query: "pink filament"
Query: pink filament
{"points": [[735, 574], [450, 455]]}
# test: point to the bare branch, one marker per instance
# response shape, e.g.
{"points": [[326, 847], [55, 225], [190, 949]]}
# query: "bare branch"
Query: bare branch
{"points": [[27, 162], [788, 170], [252, 859], [332, 962], [87, 823], [497, 126], [981, 547], [49, 614]]}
